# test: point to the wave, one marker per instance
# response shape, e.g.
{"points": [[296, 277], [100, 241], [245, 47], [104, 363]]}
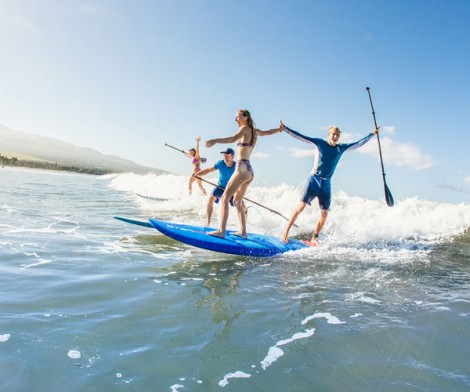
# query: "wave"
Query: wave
{"points": [[352, 220]]}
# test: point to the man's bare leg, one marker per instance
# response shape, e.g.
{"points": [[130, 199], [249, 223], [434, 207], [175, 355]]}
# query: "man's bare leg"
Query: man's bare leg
{"points": [[209, 209], [300, 207], [321, 221]]}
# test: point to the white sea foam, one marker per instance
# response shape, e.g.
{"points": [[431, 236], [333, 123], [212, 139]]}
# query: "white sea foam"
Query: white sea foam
{"points": [[275, 352], [4, 338], [40, 260], [74, 354], [357, 228], [330, 319], [237, 374], [7, 208], [352, 220], [38, 263], [361, 297]]}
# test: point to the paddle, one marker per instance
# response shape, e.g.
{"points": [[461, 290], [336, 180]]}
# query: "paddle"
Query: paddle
{"points": [[174, 148], [134, 222], [388, 194], [251, 201]]}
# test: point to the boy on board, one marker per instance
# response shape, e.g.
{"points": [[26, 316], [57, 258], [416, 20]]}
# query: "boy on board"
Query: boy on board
{"points": [[319, 182], [226, 168]]}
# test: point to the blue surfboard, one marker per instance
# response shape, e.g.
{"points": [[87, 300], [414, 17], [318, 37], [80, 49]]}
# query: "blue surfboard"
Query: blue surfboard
{"points": [[256, 245]]}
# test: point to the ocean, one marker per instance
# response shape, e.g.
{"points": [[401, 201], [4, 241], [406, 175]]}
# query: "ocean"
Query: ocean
{"points": [[89, 303]]}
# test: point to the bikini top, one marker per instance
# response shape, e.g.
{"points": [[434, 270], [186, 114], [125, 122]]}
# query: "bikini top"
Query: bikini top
{"points": [[250, 144], [199, 161]]}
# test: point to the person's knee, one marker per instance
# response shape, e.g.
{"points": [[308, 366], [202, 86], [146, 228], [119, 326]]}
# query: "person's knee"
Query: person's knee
{"points": [[224, 199], [239, 206], [238, 203], [210, 202]]}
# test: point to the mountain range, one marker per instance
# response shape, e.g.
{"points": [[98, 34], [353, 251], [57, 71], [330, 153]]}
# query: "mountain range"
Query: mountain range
{"points": [[28, 146]]}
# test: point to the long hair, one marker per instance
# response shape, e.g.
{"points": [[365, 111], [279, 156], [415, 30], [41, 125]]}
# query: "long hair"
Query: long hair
{"points": [[251, 124]]}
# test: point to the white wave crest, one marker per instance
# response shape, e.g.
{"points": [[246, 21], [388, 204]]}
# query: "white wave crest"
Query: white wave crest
{"points": [[351, 219]]}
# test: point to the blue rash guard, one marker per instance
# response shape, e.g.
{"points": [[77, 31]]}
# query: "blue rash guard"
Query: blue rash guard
{"points": [[318, 184], [225, 173], [328, 156]]}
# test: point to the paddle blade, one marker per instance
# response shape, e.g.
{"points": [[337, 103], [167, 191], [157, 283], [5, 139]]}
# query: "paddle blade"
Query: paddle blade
{"points": [[134, 222], [388, 196]]}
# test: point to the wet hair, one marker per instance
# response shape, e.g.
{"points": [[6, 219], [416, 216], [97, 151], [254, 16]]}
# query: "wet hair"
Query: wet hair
{"points": [[251, 124], [193, 150]]}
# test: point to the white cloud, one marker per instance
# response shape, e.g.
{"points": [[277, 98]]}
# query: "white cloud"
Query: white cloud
{"points": [[393, 153], [457, 188], [451, 187], [388, 129], [88, 9], [261, 155], [17, 21], [302, 153], [399, 154], [92, 8]]}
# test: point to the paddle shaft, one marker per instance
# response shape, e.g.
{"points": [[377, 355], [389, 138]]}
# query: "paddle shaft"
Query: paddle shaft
{"points": [[388, 194], [249, 200], [174, 148]]}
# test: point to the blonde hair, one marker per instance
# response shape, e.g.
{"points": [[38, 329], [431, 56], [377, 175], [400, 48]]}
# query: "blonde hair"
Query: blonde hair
{"points": [[333, 129]]}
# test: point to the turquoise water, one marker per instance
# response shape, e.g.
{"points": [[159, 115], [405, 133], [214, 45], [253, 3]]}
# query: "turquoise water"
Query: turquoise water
{"points": [[89, 303]]}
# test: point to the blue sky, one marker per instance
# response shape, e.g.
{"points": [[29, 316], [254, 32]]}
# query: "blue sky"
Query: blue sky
{"points": [[125, 77]]}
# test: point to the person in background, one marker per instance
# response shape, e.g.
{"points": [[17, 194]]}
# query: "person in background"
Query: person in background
{"points": [[226, 168], [319, 182], [246, 137], [196, 160]]}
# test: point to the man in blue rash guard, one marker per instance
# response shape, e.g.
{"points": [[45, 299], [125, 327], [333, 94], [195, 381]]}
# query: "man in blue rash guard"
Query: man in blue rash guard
{"points": [[319, 181], [226, 168]]}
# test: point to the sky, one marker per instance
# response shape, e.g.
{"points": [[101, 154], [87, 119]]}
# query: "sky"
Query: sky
{"points": [[125, 77]]}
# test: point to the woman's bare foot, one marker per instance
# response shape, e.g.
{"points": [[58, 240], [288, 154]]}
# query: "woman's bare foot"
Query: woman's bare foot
{"points": [[239, 234], [284, 238], [216, 233]]}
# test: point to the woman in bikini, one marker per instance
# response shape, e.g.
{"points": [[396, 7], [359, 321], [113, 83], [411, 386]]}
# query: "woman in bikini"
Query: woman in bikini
{"points": [[245, 137], [196, 161]]}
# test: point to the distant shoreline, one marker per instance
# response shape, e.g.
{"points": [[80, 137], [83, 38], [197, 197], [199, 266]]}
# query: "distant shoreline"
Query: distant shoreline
{"points": [[15, 162]]}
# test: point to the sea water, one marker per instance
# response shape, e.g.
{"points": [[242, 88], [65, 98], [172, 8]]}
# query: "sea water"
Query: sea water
{"points": [[89, 303]]}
